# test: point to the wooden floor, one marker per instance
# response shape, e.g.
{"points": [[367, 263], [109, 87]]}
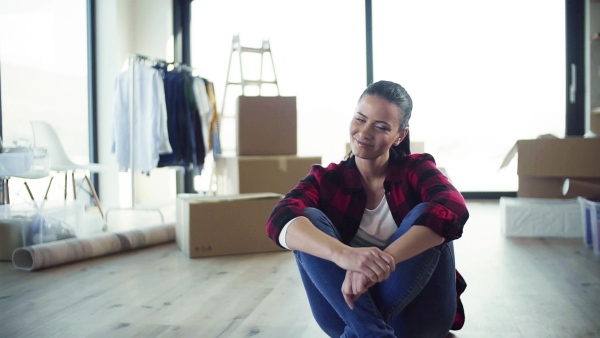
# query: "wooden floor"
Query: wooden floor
{"points": [[516, 288]]}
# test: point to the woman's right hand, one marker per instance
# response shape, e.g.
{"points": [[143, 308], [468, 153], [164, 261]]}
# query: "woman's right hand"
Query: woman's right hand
{"points": [[372, 262]]}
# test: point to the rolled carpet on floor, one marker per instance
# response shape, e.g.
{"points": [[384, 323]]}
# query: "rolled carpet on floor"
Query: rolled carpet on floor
{"points": [[44, 255]]}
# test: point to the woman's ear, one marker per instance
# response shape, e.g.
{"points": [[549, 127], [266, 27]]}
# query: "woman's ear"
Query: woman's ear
{"points": [[401, 136]]}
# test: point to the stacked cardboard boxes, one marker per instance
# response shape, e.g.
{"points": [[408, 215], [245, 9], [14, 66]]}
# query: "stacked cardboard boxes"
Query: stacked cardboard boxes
{"points": [[266, 159], [249, 184]]}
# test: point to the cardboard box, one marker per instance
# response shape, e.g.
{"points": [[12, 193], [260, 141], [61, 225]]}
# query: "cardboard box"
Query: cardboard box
{"points": [[224, 225], [252, 174], [266, 125], [540, 217], [544, 164]]}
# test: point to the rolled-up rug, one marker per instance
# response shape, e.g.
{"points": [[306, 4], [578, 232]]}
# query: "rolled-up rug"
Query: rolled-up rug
{"points": [[40, 256]]}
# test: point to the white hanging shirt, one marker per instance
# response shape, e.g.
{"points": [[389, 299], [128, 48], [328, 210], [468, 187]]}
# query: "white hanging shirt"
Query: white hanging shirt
{"points": [[151, 136]]}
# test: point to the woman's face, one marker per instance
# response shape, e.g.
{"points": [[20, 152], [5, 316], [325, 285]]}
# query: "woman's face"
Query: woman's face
{"points": [[375, 127]]}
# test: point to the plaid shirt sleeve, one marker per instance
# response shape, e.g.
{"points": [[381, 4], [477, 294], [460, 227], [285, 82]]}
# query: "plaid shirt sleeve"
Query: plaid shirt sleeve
{"points": [[305, 194], [447, 213]]}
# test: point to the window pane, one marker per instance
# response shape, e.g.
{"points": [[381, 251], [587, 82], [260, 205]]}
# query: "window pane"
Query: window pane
{"points": [[43, 62], [44, 70], [319, 57], [481, 74]]}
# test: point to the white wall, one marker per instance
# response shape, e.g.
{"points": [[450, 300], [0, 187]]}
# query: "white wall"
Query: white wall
{"points": [[127, 27]]}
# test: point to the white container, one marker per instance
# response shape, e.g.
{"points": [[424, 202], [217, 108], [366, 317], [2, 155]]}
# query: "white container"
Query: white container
{"points": [[24, 162], [590, 215], [540, 217], [44, 222]]}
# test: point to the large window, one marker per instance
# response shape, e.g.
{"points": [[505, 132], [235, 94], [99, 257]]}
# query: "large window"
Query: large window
{"points": [[319, 56], [43, 59], [482, 75]]}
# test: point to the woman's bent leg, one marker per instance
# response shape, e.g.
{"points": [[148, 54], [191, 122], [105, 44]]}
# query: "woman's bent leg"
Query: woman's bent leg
{"points": [[432, 312], [323, 282], [420, 290]]}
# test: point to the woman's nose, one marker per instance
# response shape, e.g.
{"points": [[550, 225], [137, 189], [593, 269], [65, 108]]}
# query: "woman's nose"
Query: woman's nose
{"points": [[366, 132]]}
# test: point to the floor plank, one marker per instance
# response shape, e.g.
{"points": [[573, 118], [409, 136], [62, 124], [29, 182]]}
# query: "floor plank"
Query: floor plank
{"points": [[516, 288]]}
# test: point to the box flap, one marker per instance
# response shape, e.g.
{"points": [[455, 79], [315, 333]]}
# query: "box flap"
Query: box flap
{"points": [[514, 150]]}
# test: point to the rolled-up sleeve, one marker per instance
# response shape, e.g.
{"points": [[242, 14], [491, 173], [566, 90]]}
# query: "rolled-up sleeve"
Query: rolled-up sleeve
{"points": [[447, 213], [305, 194]]}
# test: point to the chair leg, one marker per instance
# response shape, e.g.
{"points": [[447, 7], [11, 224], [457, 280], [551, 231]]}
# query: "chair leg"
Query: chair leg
{"points": [[48, 189], [65, 185], [95, 196], [74, 185]]}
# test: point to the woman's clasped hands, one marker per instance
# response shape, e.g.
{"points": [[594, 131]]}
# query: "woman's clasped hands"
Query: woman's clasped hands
{"points": [[364, 268]]}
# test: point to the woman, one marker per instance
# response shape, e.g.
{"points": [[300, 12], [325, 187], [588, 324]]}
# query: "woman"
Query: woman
{"points": [[373, 235]]}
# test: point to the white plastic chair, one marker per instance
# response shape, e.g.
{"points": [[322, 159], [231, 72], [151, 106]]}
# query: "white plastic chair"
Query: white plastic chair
{"points": [[44, 136]]}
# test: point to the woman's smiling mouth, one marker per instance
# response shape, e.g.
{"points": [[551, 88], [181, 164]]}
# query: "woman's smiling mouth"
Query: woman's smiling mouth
{"points": [[360, 144]]}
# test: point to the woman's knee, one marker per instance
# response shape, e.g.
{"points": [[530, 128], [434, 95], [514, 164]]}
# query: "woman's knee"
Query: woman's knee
{"points": [[409, 219]]}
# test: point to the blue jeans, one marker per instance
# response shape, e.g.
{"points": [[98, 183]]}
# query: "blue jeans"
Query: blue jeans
{"points": [[417, 300]]}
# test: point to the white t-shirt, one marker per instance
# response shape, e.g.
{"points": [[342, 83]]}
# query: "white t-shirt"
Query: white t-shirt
{"points": [[376, 228]]}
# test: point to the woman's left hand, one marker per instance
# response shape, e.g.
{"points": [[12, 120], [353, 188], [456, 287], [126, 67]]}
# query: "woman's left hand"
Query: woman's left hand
{"points": [[355, 284]]}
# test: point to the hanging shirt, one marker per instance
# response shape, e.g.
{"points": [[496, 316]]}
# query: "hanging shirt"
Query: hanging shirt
{"points": [[195, 125], [151, 137], [205, 110], [214, 141], [184, 123]]}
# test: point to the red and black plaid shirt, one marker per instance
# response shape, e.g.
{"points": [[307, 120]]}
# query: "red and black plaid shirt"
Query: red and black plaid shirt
{"points": [[411, 179]]}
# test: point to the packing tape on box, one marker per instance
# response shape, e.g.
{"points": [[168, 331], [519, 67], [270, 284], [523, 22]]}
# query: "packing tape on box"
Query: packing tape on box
{"points": [[283, 164]]}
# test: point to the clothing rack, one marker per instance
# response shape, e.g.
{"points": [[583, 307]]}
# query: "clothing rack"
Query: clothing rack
{"points": [[132, 59]]}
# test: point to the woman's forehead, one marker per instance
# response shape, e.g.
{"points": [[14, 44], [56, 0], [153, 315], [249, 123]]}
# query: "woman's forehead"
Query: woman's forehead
{"points": [[377, 104]]}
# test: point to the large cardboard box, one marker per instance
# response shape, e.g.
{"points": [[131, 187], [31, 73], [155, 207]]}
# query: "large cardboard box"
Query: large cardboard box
{"points": [[224, 225], [266, 125], [252, 174], [544, 164]]}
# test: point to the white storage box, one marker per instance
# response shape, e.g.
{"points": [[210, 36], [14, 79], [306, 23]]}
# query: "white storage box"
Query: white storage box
{"points": [[24, 162], [24, 224], [590, 217], [540, 217]]}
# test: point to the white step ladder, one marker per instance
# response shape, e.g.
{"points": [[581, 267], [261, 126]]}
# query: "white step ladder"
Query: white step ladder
{"points": [[237, 48]]}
